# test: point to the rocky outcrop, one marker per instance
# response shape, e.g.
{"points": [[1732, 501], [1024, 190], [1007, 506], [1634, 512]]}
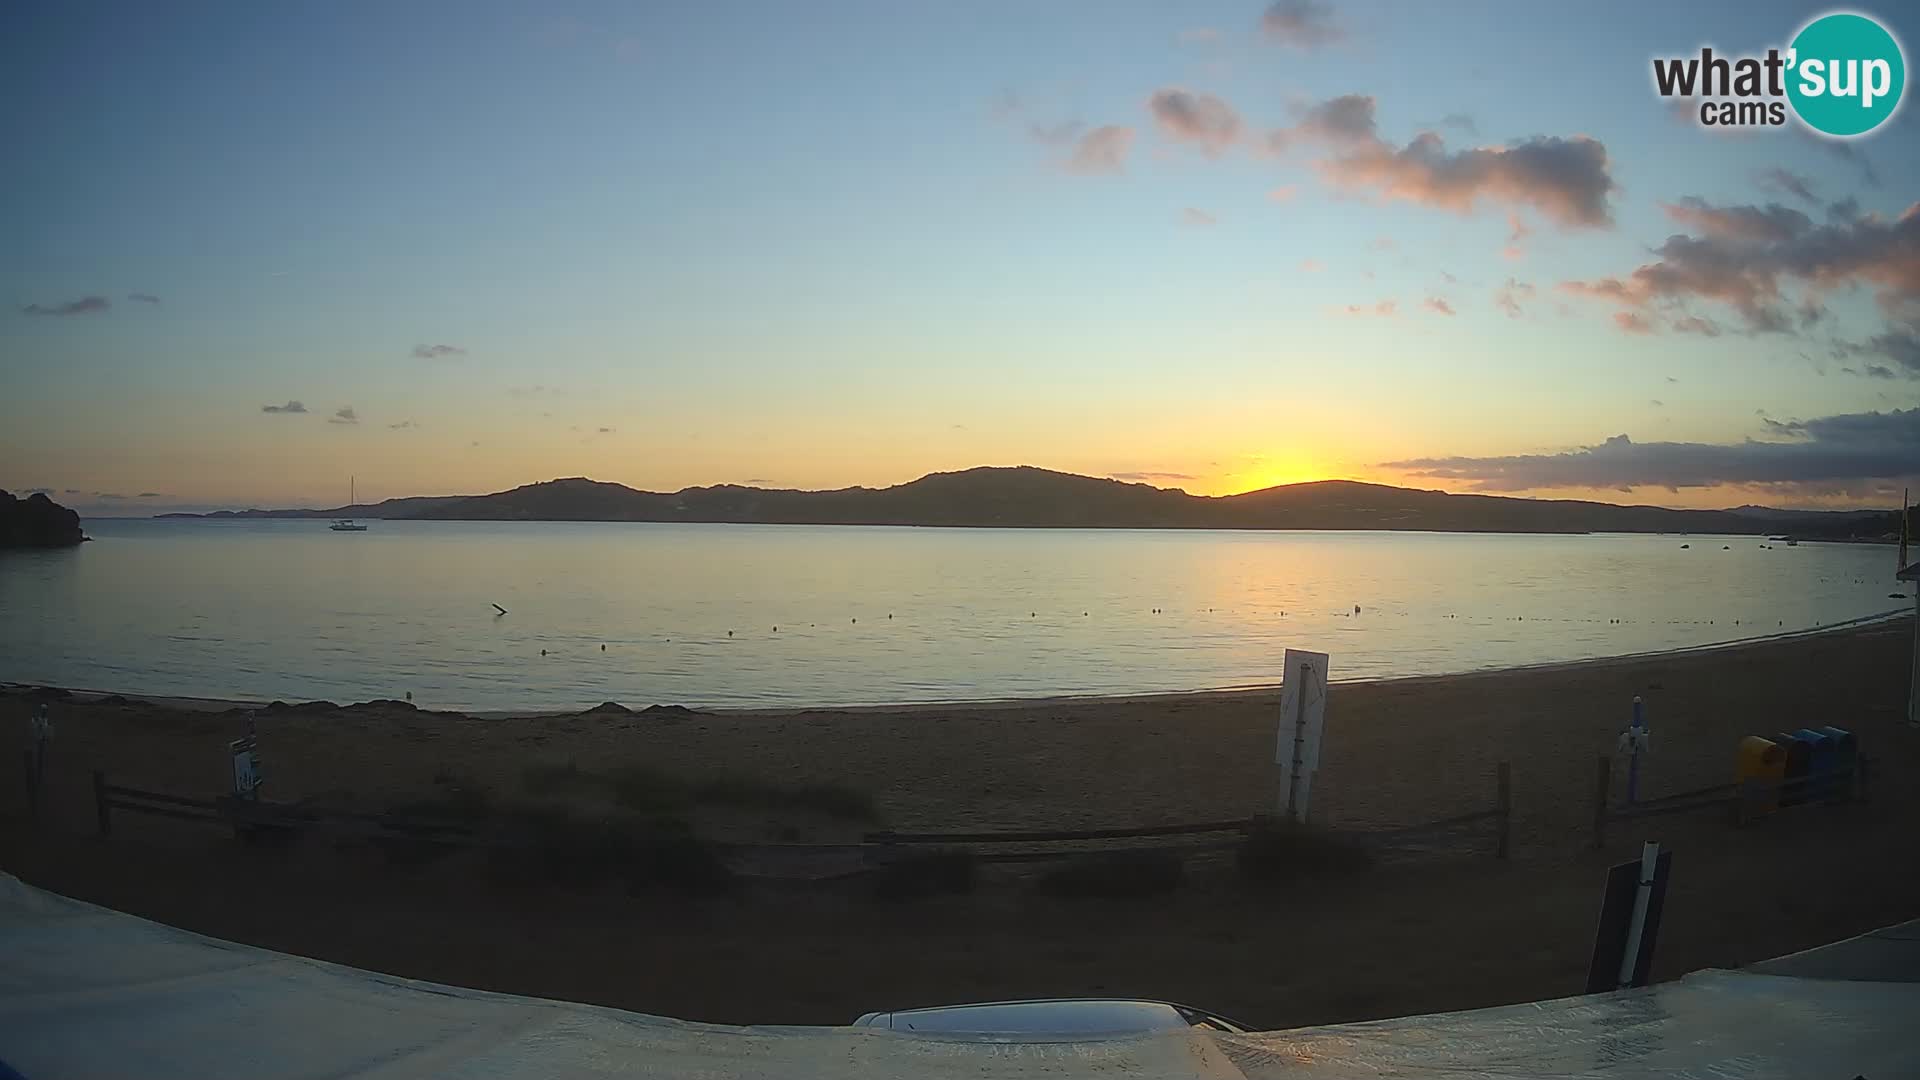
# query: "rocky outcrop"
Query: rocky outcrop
{"points": [[37, 522]]}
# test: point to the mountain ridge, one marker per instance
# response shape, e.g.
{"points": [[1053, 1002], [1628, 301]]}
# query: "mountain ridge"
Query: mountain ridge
{"points": [[1029, 497]]}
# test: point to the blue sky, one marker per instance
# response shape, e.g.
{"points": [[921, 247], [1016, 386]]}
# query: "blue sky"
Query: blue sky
{"points": [[680, 244]]}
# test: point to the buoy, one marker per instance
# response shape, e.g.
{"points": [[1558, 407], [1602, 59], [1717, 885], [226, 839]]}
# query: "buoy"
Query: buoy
{"points": [[603, 648], [543, 652], [729, 633], [853, 620], [776, 629], [889, 615]]}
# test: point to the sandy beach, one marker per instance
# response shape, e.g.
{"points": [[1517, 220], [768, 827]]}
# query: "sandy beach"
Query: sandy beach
{"points": [[1400, 938]]}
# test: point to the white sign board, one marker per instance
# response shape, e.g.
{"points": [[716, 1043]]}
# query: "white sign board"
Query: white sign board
{"points": [[1303, 718], [246, 768]]}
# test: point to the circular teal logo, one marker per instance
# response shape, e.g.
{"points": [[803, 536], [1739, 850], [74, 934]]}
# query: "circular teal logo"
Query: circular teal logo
{"points": [[1846, 74]]}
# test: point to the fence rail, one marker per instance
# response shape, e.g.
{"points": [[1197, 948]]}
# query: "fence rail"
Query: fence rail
{"points": [[1749, 799], [1011, 846]]}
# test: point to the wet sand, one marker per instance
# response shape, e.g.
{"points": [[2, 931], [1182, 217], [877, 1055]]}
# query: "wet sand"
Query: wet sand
{"points": [[1398, 939]]}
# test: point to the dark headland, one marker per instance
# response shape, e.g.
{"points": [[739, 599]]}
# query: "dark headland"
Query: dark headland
{"points": [[37, 522], [1027, 497]]}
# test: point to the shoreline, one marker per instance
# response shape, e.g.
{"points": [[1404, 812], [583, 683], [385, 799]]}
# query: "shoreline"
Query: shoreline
{"points": [[196, 703]]}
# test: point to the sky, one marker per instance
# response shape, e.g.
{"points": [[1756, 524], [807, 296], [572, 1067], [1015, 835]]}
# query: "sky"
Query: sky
{"points": [[249, 251]]}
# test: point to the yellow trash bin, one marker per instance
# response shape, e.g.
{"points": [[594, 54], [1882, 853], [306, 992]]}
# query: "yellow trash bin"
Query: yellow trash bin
{"points": [[1760, 760]]}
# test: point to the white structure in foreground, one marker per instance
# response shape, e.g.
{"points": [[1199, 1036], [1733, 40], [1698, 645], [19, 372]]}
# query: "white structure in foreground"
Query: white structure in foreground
{"points": [[88, 992]]}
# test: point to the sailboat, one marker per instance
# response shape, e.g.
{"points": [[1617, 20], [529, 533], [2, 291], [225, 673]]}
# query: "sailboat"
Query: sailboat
{"points": [[348, 524]]}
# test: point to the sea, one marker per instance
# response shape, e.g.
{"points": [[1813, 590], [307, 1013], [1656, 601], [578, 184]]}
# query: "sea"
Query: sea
{"points": [[793, 615]]}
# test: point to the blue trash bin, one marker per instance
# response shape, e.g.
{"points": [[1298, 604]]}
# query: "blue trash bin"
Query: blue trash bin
{"points": [[1819, 764], [1846, 760], [1793, 789]]}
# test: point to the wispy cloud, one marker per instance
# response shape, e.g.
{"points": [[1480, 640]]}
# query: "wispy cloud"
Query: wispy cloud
{"points": [[1459, 122], [1102, 150], [1194, 217], [1283, 193], [1301, 24], [1312, 266], [1517, 233], [86, 305], [1843, 449], [1199, 35], [1783, 182], [289, 407], [1632, 322], [1509, 297], [144, 298], [1197, 118], [437, 352], [606, 431], [1150, 477], [1385, 309], [344, 415], [402, 425], [1438, 305]]}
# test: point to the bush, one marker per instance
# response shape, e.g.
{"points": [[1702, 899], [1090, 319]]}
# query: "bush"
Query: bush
{"points": [[1284, 850], [1115, 874], [924, 873]]}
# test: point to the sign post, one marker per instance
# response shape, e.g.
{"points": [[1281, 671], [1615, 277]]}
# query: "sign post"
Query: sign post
{"points": [[246, 764], [1303, 715], [1634, 742]]}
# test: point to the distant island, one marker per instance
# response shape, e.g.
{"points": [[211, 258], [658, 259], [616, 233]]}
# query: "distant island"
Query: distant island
{"points": [[37, 522], [1028, 497]]}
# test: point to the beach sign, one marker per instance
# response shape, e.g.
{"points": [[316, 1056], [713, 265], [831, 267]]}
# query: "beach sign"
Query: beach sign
{"points": [[1303, 718], [246, 764]]}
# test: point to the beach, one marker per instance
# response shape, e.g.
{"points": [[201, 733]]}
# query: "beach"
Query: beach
{"points": [[1426, 936]]}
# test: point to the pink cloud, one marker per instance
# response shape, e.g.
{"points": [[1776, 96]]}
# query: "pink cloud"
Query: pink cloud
{"points": [[1197, 118], [1436, 304], [1283, 193], [1102, 150]]}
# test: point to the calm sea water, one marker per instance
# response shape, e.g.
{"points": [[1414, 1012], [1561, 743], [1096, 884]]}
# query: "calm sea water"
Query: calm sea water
{"points": [[287, 609]]}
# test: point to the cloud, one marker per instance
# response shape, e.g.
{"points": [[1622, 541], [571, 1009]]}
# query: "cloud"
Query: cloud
{"points": [[289, 407], [144, 298], [1694, 324], [1149, 477], [1780, 181], [344, 415], [1656, 403], [1060, 134], [1840, 449], [1460, 122], [437, 352], [149, 495], [1436, 304], [606, 431], [1341, 120], [1632, 322], [1508, 297], [1567, 180], [1201, 119], [1194, 217], [1102, 150], [86, 305], [1748, 258], [402, 425], [1844, 150], [1283, 193], [1300, 24], [1517, 232], [1385, 309], [1312, 266], [1381, 243]]}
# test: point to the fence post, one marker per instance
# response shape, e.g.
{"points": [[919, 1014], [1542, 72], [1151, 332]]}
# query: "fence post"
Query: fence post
{"points": [[1602, 780], [1503, 778], [100, 805]]}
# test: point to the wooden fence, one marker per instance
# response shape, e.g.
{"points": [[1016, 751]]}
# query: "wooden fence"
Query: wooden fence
{"points": [[248, 816], [1746, 801]]}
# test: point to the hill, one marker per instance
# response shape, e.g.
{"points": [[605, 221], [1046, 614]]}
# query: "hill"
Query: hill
{"points": [[1028, 497], [37, 521]]}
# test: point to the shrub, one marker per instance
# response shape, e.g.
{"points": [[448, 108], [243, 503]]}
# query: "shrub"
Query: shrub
{"points": [[1283, 850], [919, 874], [1115, 874]]}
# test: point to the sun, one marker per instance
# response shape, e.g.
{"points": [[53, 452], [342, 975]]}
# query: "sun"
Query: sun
{"points": [[1265, 471]]}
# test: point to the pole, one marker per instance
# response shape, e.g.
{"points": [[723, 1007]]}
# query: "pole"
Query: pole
{"points": [[1649, 858], [1602, 780], [1503, 780], [1634, 733], [1299, 739]]}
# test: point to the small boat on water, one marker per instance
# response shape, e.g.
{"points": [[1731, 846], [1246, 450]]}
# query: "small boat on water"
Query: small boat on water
{"points": [[348, 524]]}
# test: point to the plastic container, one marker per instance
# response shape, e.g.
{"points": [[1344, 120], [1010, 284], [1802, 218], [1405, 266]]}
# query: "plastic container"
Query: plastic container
{"points": [[1819, 764], [1797, 751], [1846, 759], [1763, 760]]}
